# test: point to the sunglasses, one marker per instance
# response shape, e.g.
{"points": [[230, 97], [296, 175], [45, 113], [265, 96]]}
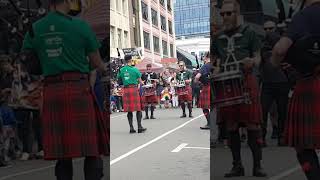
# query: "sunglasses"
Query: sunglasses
{"points": [[227, 13], [268, 28], [180, 65]]}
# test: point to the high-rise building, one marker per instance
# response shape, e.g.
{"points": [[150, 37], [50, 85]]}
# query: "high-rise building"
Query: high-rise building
{"points": [[154, 29], [192, 18], [192, 21], [119, 27]]}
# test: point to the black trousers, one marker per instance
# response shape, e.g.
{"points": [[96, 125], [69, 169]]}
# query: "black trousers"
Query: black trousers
{"points": [[93, 169], [274, 92]]}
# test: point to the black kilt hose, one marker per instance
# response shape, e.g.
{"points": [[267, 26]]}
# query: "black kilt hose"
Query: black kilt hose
{"points": [[204, 100], [73, 124], [302, 128]]}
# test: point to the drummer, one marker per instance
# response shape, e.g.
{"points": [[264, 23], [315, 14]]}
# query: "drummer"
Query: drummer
{"points": [[184, 78], [150, 79], [203, 77], [247, 51]]}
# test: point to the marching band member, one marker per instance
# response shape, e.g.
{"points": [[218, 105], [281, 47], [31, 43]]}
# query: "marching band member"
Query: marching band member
{"points": [[204, 100], [150, 78], [131, 77], [239, 42], [303, 123], [72, 125], [184, 78]]}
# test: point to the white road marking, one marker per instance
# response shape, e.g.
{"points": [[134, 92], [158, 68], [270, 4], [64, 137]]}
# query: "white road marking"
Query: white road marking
{"points": [[152, 141], [180, 147], [184, 146], [197, 148]]}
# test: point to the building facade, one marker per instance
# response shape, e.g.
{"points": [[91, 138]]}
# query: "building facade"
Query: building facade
{"points": [[119, 27], [156, 29]]}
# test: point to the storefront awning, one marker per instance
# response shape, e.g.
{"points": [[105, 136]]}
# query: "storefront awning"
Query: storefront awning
{"points": [[156, 67]]}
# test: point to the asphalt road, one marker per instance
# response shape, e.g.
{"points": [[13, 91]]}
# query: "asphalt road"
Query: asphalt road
{"points": [[280, 163], [149, 155]]}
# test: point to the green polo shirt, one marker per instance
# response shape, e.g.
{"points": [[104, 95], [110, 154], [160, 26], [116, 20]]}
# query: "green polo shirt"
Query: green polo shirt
{"points": [[129, 75], [246, 43], [62, 43], [186, 75]]}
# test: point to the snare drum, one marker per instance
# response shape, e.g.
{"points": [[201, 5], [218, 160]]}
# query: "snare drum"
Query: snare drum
{"points": [[181, 89], [149, 90], [229, 89]]}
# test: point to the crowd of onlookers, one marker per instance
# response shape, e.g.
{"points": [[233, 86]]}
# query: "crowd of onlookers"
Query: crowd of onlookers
{"points": [[20, 131], [165, 90]]}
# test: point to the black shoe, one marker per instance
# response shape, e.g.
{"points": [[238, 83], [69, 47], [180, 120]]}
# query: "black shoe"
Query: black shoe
{"points": [[183, 116], [190, 115], [147, 117], [142, 130], [152, 117], [205, 127], [132, 131], [258, 172], [236, 171]]}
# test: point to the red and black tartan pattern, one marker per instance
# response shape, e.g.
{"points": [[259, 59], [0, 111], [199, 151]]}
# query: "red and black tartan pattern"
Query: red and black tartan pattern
{"points": [[302, 127], [73, 125], [204, 99], [150, 100], [131, 99], [244, 113], [186, 97]]}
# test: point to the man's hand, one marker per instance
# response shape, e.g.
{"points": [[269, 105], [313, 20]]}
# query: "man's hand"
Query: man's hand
{"points": [[285, 66], [247, 62]]}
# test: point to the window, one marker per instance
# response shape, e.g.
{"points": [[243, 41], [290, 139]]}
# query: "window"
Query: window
{"points": [[162, 3], [163, 23], [156, 46], [112, 35], [171, 50], [124, 7], [119, 39], [134, 8], [169, 5], [165, 48], [154, 16], [118, 5], [144, 11], [170, 27], [146, 40], [125, 34]]}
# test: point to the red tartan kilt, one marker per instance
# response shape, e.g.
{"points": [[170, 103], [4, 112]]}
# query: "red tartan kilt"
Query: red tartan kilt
{"points": [[131, 99], [186, 97], [73, 125], [302, 127], [204, 99], [244, 113], [150, 100]]}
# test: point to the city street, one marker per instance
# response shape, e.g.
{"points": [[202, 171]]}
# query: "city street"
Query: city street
{"points": [[171, 148]]}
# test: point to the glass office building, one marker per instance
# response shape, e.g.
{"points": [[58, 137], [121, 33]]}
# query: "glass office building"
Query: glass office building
{"points": [[192, 17]]}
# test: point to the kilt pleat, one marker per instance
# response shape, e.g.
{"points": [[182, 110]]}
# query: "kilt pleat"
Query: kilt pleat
{"points": [[131, 99], [302, 128], [73, 125], [204, 99], [186, 97], [150, 100], [244, 113]]}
